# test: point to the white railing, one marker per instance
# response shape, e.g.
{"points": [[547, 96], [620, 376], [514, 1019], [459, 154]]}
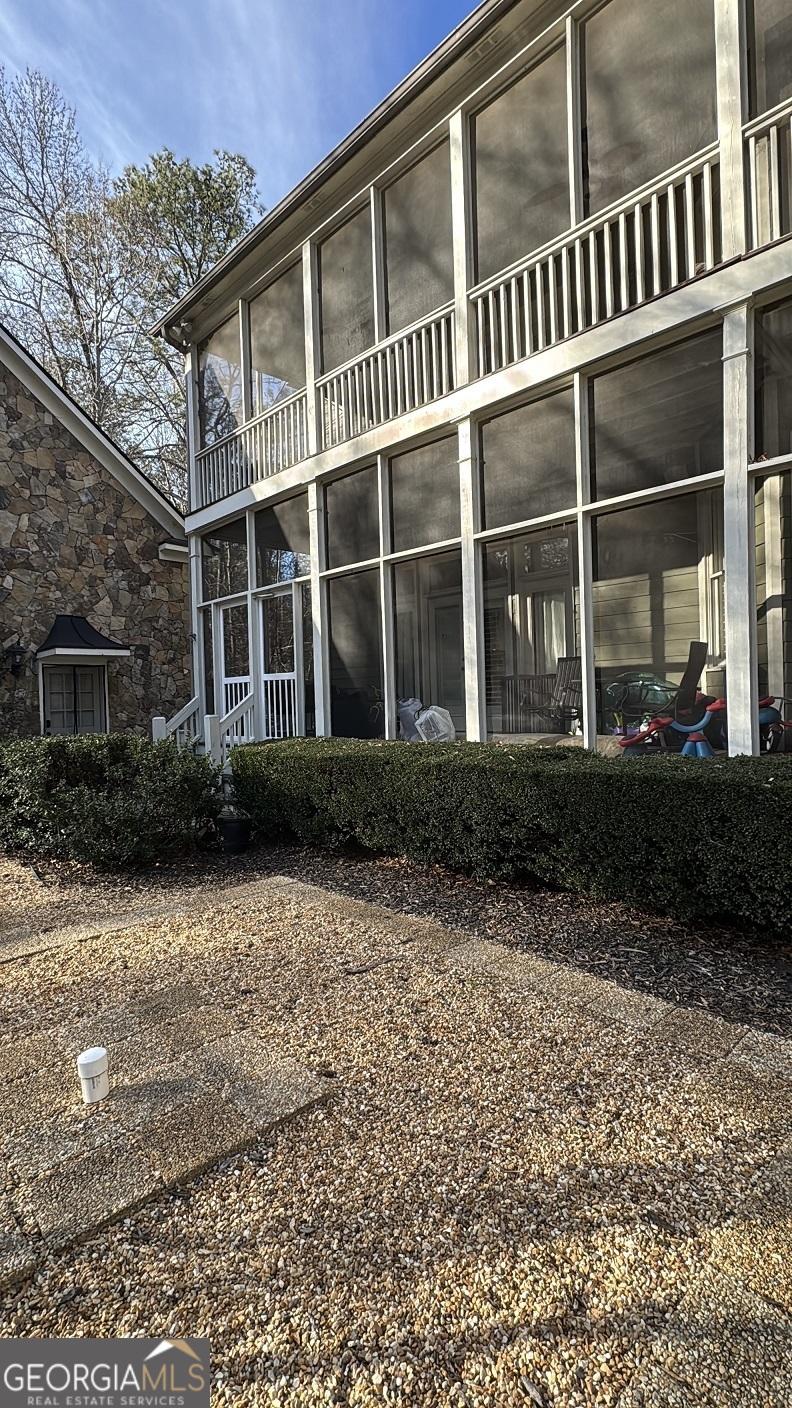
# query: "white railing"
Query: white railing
{"points": [[185, 728], [237, 726], [264, 446], [235, 689], [659, 238], [769, 157], [405, 371], [280, 706]]}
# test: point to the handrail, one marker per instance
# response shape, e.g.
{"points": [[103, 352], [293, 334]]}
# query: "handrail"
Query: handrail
{"points": [[690, 167], [189, 710], [387, 342], [247, 424], [768, 119]]}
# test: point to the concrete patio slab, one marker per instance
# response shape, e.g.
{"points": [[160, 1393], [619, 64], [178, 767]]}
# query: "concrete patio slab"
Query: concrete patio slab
{"points": [[265, 1089], [181, 1122], [80, 1195]]}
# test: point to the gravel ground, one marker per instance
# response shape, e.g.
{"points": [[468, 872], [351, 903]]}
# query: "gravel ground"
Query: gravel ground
{"points": [[738, 977], [513, 1198]]}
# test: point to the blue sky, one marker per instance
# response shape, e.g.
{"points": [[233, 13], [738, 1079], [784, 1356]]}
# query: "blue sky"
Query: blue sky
{"points": [[279, 80]]}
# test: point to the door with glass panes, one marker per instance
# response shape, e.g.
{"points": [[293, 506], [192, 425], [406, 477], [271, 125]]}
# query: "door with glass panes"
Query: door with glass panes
{"points": [[287, 689], [74, 699]]}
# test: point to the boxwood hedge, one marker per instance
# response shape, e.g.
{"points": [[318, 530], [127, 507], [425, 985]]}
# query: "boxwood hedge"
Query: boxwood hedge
{"points": [[701, 838], [112, 799]]}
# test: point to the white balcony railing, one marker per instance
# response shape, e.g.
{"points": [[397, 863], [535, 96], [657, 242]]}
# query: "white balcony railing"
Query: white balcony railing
{"points": [[769, 161], [406, 371], [659, 238], [280, 706], [264, 446]]}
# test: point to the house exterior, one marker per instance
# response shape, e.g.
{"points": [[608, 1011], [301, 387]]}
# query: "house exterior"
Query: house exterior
{"points": [[94, 622], [494, 410]]}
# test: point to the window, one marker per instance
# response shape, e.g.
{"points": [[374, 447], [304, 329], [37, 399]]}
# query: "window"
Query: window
{"points": [[347, 291], [356, 698], [419, 256], [282, 542], [528, 461], [770, 53], [658, 585], [277, 341], [531, 639], [649, 92], [773, 499], [224, 560], [774, 381], [74, 699], [352, 516], [521, 180], [659, 419], [430, 662], [425, 495], [220, 383]]}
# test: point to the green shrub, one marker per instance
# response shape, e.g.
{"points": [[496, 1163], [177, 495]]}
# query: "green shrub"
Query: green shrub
{"points": [[694, 838], [112, 799]]}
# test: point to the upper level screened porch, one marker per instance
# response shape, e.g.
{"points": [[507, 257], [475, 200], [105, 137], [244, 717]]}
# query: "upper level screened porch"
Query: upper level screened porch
{"points": [[483, 246]]}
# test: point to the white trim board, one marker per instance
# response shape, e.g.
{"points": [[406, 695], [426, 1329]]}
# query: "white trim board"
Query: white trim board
{"points": [[41, 385]]}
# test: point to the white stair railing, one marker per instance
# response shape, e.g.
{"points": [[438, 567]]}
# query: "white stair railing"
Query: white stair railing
{"points": [[236, 727], [184, 728]]}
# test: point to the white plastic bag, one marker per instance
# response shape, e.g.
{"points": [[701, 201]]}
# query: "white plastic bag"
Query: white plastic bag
{"points": [[435, 725], [409, 709]]}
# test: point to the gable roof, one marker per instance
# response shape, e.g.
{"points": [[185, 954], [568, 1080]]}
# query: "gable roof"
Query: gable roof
{"points": [[90, 435]]}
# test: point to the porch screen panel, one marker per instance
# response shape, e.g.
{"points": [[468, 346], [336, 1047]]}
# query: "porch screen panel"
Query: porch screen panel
{"points": [[532, 662], [659, 419], [428, 633], [419, 259], [224, 560], [774, 381], [277, 341], [220, 383], [528, 461], [346, 291], [649, 92], [236, 655], [770, 53], [356, 697], [352, 509], [425, 495], [208, 660], [655, 569], [521, 181], [283, 542]]}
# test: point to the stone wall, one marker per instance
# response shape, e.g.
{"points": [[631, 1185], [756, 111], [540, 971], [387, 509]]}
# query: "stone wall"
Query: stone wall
{"points": [[73, 541]]}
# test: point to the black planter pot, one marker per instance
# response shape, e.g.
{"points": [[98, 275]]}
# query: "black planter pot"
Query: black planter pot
{"points": [[234, 833]]}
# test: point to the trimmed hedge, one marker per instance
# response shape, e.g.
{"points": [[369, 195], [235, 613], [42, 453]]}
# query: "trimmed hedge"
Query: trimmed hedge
{"points": [[112, 799], [695, 838]]}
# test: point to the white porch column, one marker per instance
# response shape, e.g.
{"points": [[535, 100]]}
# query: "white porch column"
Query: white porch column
{"points": [[585, 589], [196, 623], [472, 590], [321, 658], [386, 601], [732, 100], [312, 351], [462, 227], [255, 664], [193, 427], [739, 549]]}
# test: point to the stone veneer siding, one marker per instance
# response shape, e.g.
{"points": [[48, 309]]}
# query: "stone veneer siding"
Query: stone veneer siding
{"points": [[73, 541]]}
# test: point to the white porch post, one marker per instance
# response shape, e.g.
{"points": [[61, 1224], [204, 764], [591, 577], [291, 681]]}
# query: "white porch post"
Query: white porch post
{"points": [[732, 86], [739, 531], [585, 559], [193, 427], [196, 623], [386, 601], [462, 228], [312, 352], [321, 659], [472, 592], [254, 631]]}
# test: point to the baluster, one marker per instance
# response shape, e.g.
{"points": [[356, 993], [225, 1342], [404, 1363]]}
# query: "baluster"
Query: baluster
{"points": [[638, 239], [673, 249], [579, 307], [775, 184], [503, 315], [624, 268], [526, 280], [553, 297], [594, 277], [690, 227], [493, 330], [540, 306], [479, 305], [566, 308], [656, 265], [609, 288]]}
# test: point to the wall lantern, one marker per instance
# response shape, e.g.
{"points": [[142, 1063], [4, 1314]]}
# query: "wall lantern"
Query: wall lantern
{"points": [[15, 658]]}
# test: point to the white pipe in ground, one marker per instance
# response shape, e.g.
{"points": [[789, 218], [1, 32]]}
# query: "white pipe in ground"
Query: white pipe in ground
{"points": [[92, 1070]]}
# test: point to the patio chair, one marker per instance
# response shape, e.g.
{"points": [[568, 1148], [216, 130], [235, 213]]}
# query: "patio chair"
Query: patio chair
{"points": [[532, 703], [691, 717]]}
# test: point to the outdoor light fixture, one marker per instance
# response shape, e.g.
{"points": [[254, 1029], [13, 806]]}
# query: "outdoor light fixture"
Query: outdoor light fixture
{"points": [[15, 657]]}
